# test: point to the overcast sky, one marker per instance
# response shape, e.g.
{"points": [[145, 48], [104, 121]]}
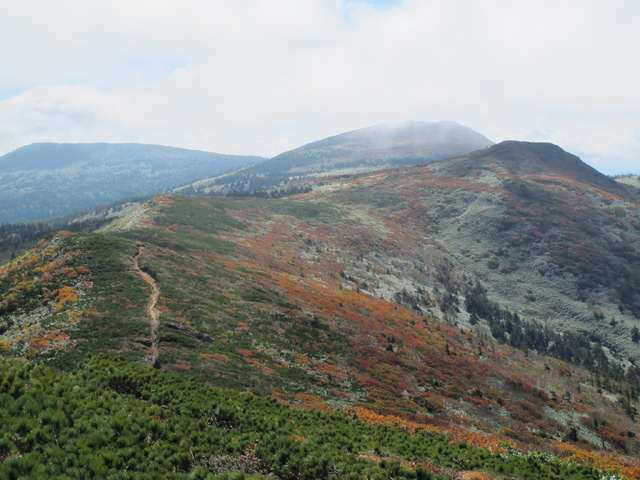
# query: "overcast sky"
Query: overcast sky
{"points": [[264, 76]]}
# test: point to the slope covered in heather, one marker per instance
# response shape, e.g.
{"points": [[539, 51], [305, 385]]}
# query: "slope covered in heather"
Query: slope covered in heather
{"points": [[413, 297]]}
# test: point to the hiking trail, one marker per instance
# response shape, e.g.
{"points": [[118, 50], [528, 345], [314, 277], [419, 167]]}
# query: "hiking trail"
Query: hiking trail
{"points": [[151, 310]]}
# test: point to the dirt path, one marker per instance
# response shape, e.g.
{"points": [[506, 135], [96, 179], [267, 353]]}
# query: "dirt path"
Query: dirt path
{"points": [[151, 310]]}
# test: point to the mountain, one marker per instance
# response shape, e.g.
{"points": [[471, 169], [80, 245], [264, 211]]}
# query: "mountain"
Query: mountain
{"points": [[367, 149], [46, 180], [629, 179], [492, 298], [525, 158], [541, 224]]}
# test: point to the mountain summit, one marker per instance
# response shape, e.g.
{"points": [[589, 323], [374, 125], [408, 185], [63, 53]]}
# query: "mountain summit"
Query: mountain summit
{"points": [[528, 158], [373, 148], [427, 138]]}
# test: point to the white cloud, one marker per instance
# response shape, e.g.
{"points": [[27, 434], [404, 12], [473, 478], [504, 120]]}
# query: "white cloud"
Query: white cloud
{"points": [[257, 76]]}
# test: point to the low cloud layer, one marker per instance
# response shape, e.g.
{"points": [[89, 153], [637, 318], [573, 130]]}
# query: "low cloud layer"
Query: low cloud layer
{"points": [[261, 77]]}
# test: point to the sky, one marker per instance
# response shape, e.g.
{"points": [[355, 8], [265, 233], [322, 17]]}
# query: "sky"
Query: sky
{"points": [[261, 77]]}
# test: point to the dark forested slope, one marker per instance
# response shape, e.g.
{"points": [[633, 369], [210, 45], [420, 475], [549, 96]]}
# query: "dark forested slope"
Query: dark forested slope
{"points": [[45, 180]]}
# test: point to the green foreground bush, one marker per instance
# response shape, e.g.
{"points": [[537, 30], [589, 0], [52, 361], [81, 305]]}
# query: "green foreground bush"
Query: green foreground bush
{"points": [[110, 418]]}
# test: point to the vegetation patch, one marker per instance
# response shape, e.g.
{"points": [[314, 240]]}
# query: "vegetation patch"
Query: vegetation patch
{"points": [[109, 417]]}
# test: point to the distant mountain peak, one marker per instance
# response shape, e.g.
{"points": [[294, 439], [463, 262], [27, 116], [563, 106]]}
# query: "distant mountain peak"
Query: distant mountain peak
{"points": [[372, 148], [428, 132]]}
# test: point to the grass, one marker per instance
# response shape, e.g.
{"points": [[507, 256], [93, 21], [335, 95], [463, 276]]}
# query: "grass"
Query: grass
{"points": [[206, 215]]}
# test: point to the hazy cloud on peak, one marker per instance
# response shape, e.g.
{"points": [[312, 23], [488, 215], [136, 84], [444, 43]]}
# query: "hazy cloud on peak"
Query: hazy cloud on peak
{"points": [[260, 77]]}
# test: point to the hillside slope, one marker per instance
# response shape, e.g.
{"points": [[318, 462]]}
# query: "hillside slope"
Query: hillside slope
{"points": [[402, 297], [551, 237], [46, 180], [367, 149]]}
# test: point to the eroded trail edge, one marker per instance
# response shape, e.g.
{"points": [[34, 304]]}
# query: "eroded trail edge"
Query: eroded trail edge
{"points": [[151, 310]]}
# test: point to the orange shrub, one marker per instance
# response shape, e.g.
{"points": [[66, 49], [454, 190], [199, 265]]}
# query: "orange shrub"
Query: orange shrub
{"points": [[65, 295], [215, 356]]}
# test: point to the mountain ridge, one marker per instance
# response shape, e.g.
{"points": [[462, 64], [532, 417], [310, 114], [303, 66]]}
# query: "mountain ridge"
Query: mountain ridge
{"points": [[45, 180], [497, 305], [66, 154]]}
